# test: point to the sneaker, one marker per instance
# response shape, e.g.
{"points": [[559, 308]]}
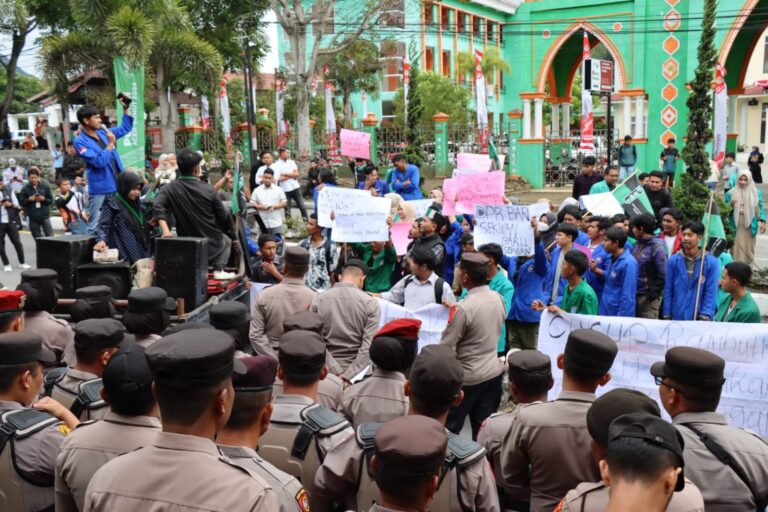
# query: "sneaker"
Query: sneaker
{"points": [[24, 266], [8, 268], [221, 275]]}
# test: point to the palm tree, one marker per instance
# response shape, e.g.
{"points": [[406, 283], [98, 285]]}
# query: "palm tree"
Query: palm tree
{"points": [[492, 62], [153, 33]]}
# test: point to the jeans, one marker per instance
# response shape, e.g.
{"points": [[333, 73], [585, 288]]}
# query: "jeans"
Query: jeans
{"points": [[12, 231], [669, 175], [625, 171], [40, 227], [94, 210], [219, 261], [78, 227], [295, 195]]}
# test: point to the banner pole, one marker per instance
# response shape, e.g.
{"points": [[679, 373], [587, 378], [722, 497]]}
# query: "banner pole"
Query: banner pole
{"points": [[703, 255]]}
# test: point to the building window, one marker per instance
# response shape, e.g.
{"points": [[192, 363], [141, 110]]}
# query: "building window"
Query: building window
{"points": [[324, 23], [461, 22], [392, 55], [491, 30], [765, 56], [476, 24], [446, 68], [388, 110], [395, 17], [445, 18], [429, 16], [429, 58]]}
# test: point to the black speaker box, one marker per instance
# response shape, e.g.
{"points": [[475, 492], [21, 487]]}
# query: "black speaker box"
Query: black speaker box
{"points": [[115, 275], [181, 269], [64, 254]]}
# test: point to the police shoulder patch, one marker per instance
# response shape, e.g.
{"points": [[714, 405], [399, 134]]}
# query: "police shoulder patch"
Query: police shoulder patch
{"points": [[302, 500], [452, 313]]}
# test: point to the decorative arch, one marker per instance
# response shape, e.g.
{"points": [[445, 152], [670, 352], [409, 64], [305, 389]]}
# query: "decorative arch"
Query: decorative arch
{"points": [[733, 31], [601, 36], [731, 38]]}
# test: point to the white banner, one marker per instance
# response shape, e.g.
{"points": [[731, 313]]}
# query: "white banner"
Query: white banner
{"points": [[226, 124], [604, 204], [279, 108], [507, 225], [363, 221], [643, 342], [433, 318], [340, 201], [420, 206], [721, 117]]}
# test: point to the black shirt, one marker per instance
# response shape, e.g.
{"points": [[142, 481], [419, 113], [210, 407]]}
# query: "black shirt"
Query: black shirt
{"points": [[659, 200], [583, 182]]}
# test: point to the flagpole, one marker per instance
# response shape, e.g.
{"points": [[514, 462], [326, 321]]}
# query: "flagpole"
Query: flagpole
{"points": [[704, 254]]}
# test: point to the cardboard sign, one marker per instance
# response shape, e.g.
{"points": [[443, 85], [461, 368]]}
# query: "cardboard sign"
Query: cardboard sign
{"points": [[399, 234], [462, 193], [339, 201], [473, 162], [507, 225], [362, 222], [355, 144]]}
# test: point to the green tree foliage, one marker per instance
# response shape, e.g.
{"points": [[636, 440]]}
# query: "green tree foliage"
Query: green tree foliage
{"points": [[354, 69], [16, 23], [437, 93], [491, 63], [236, 95], [414, 152], [25, 88], [691, 197]]}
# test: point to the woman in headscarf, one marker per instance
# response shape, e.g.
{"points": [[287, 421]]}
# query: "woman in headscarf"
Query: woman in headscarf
{"points": [[166, 169], [747, 217], [124, 221]]}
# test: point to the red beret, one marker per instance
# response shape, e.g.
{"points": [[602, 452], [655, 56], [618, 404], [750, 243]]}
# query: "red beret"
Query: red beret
{"points": [[12, 300], [403, 328], [260, 374]]}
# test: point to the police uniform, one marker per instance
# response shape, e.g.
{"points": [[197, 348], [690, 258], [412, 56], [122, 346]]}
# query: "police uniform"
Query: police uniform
{"points": [[277, 303], [148, 311], [177, 470], [90, 302], [523, 365], [351, 319], [41, 288], [93, 444], [259, 377], [92, 334], [233, 318], [301, 431], [436, 378], [473, 331], [381, 397], [28, 456], [722, 487], [549, 444]]}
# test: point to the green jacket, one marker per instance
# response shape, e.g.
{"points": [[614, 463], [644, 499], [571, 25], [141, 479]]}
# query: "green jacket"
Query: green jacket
{"points": [[380, 272], [745, 312], [600, 187], [581, 300]]}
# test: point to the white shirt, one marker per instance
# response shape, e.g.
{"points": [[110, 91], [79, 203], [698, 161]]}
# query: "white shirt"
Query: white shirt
{"points": [[260, 173], [669, 241], [9, 174], [270, 197], [286, 167], [4, 212], [417, 294]]}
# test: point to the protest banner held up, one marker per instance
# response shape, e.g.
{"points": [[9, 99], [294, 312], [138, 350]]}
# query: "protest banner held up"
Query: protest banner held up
{"points": [[420, 206], [604, 204], [462, 193], [507, 225], [355, 144], [473, 162], [399, 234], [632, 197], [433, 318], [363, 222], [339, 200]]}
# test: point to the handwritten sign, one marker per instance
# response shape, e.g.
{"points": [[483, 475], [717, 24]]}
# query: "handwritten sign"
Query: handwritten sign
{"points": [[420, 206], [433, 318], [462, 193], [604, 204], [339, 201], [355, 144], [473, 162], [399, 234], [459, 171], [643, 342], [363, 222], [507, 225]]}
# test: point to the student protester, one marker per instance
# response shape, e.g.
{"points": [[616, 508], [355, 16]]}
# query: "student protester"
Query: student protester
{"points": [[730, 171], [372, 183], [498, 283], [747, 217], [360, 168], [609, 183], [668, 163], [600, 259], [405, 179], [643, 178], [268, 266], [423, 286], [451, 234], [691, 283], [429, 227], [738, 305], [327, 179], [571, 214], [9, 214], [71, 208], [554, 282], [586, 178], [627, 157], [619, 293], [651, 256], [270, 201], [380, 258], [467, 241], [659, 196], [73, 165], [286, 174], [36, 199], [578, 296], [671, 234], [323, 256]]}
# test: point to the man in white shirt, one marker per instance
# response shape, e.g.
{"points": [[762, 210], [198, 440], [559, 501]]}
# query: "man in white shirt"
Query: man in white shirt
{"points": [[13, 176], [9, 207], [270, 201], [287, 175], [267, 160], [423, 287]]}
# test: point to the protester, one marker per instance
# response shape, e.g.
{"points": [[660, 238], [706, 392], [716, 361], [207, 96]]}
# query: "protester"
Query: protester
{"points": [[287, 173], [747, 217], [327, 179], [14, 177], [405, 179], [380, 258], [756, 159], [430, 239], [586, 178], [71, 208], [671, 234], [659, 196], [578, 296], [373, 184], [268, 266], [36, 199], [73, 165], [651, 256], [166, 169], [570, 214], [627, 158], [9, 212], [323, 256], [737, 306], [668, 163], [270, 201], [361, 168], [610, 181], [313, 177], [619, 294], [467, 245], [730, 170], [423, 286], [643, 178], [436, 194], [554, 282], [498, 283], [451, 234]]}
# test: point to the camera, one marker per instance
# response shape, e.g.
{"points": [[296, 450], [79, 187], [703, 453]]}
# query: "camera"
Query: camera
{"points": [[124, 99]]}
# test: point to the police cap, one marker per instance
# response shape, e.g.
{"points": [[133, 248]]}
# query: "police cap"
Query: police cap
{"points": [[615, 403], [12, 301], [354, 262], [392, 354], [229, 314], [96, 292], [473, 262], [147, 300], [187, 326], [297, 256], [127, 377], [260, 374], [99, 333], [410, 445], [436, 375], [22, 348], [589, 353], [691, 367], [301, 353], [529, 365]]}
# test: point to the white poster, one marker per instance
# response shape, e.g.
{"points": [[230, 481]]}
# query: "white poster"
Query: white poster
{"points": [[604, 204], [433, 318], [507, 225], [339, 201], [721, 117], [362, 221]]}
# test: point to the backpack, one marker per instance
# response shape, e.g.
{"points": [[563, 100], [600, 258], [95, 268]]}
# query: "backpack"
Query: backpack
{"points": [[439, 282]]}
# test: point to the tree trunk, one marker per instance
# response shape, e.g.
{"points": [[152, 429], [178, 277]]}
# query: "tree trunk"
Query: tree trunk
{"points": [[348, 118], [19, 40], [303, 78], [167, 122], [65, 123]]}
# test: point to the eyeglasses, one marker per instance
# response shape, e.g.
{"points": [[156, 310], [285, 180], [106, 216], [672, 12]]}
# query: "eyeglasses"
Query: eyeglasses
{"points": [[660, 382]]}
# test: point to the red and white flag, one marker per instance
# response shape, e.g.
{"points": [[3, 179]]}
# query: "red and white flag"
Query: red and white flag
{"points": [[226, 123], [587, 116], [721, 117], [480, 98], [330, 125], [406, 85], [282, 132]]}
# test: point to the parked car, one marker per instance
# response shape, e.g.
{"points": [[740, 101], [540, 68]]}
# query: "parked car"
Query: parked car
{"points": [[17, 136]]}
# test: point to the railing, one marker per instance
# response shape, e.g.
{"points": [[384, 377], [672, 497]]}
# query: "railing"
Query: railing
{"points": [[563, 156]]}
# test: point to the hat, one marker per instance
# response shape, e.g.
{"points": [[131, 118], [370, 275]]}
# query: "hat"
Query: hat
{"points": [[304, 321], [434, 213], [301, 353], [401, 328], [354, 262], [467, 238], [127, 372], [473, 261], [410, 445], [99, 333], [12, 300], [11, 161], [615, 403], [692, 367], [436, 375], [392, 354], [260, 374], [589, 353], [297, 256], [39, 274], [655, 431], [187, 326], [229, 314], [529, 365], [147, 300], [193, 358], [94, 292], [41, 287], [22, 348]]}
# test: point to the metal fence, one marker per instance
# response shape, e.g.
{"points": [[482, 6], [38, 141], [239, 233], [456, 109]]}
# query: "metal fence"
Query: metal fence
{"points": [[562, 156]]}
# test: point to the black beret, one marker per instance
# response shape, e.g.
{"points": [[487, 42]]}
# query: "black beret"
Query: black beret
{"points": [[193, 358], [392, 354], [187, 326], [99, 291], [529, 365], [436, 375], [147, 300], [354, 262], [23, 348], [297, 256], [410, 445], [615, 403], [229, 314], [301, 353], [127, 372], [39, 274], [99, 333], [304, 321], [589, 353], [260, 374], [691, 367]]}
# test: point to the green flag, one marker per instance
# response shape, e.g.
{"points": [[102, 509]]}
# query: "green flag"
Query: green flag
{"points": [[716, 242], [131, 81], [237, 187], [493, 154], [631, 195]]}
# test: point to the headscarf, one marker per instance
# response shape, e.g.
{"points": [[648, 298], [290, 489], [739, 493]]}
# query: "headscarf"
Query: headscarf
{"points": [[162, 162], [131, 210], [548, 232], [746, 198], [397, 200]]}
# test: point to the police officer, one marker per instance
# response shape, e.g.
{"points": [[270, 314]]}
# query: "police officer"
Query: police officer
{"points": [[249, 420], [530, 378], [131, 423], [42, 290], [96, 339], [381, 397], [434, 386], [186, 326], [301, 431], [409, 453], [548, 443], [331, 389], [192, 374], [593, 496], [233, 318], [730, 465], [278, 302], [473, 331], [92, 302], [12, 310], [351, 318], [29, 437], [148, 314]]}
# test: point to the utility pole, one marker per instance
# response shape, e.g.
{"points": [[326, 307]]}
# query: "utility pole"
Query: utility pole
{"points": [[249, 100]]}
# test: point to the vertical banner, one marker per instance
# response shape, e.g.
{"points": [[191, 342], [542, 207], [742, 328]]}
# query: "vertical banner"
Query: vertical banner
{"points": [[226, 122], [330, 126], [406, 86], [282, 133], [587, 116], [482, 110], [131, 81], [721, 116], [205, 113]]}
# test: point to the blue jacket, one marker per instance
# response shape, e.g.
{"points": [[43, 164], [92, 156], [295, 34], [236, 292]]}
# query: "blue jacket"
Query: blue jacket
{"points": [[452, 251], [620, 287], [680, 291], [98, 168], [582, 239], [603, 260], [381, 187], [410, 191], [549, 280], [528, 285]]}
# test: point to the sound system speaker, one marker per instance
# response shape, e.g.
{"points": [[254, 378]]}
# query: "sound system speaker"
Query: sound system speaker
{"points": [[115, 275], [181, 269], [64, 254]]}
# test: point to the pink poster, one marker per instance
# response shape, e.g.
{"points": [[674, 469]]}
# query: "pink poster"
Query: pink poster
{"points": [[462, 193], [473, 162], [355, 144], [399, 234]]}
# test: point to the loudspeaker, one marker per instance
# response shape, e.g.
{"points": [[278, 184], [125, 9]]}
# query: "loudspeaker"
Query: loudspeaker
{"points": [[115, 275], [181, 269], [64, 254]]}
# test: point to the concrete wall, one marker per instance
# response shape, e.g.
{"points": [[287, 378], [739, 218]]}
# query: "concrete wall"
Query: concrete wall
{"points": [[40, 158]]}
